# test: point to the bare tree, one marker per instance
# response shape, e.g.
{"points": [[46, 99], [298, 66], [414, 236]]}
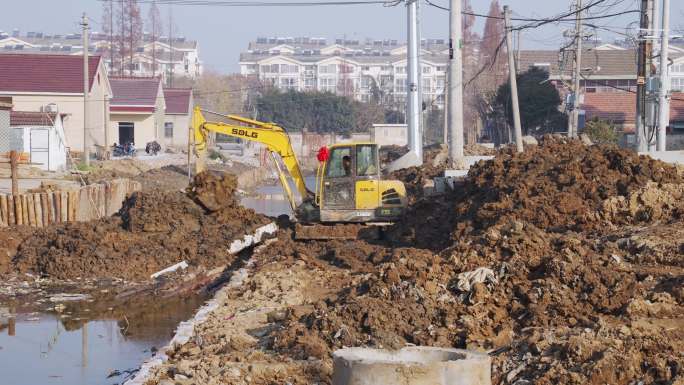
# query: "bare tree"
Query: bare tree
{"points": [[134, 26], [109, 29], [491, 73], [155, 25]]}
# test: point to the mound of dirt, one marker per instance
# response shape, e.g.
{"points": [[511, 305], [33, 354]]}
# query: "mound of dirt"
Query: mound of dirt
{"points": [[560, 185], [152, 231], [564, 263]]}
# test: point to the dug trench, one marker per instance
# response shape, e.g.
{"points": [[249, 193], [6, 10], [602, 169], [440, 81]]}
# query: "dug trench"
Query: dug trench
{"points": [[565, 263]]}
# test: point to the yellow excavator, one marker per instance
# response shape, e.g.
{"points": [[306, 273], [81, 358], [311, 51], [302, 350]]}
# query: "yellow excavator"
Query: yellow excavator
{"points": [[349, 186]]}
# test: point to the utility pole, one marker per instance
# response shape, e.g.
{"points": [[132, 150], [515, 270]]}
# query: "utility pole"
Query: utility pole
{"points": [[664, 90], [171, 64], [445, 131], [455, 65], [573, 118], [642, 75], [512, 73], [414, 94], [86, 84]]}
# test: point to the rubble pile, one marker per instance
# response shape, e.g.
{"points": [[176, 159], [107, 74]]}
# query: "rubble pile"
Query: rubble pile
{"points": [[153, 230], [564, 262]]}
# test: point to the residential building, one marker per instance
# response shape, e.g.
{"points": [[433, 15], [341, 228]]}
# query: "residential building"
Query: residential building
{"points": [[178, 116], [136, 111], [605, 68], [154, 57], [54, 83], [360, 69]]}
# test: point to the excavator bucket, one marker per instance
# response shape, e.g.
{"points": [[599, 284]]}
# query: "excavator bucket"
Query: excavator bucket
{"points": [[341, 231]]}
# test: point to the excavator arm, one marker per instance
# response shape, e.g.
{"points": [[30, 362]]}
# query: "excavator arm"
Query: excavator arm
{"points": [[275, 139]]}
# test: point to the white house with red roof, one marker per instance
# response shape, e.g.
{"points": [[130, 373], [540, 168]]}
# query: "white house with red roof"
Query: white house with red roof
{"points": [[178, 117], [37, 82], [136, 111]]}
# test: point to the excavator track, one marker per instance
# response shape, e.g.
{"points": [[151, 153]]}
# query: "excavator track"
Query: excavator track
{"points": [[339, 231]]}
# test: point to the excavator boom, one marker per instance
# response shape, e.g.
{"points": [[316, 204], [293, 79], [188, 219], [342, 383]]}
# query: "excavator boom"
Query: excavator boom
{"points": [[274, 137]]}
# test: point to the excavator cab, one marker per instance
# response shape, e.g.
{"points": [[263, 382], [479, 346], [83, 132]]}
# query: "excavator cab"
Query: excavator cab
{"points": [[350, 188]]}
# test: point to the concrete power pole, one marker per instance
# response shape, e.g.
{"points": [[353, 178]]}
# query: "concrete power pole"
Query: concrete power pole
{"points": [[414, 94], [86, 84], [642, 75], [664, 113], [573, 118], [455, 91], [513, 80]]}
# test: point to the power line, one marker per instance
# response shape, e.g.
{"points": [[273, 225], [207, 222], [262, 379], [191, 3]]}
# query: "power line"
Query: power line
{"points": [[269, 3]]}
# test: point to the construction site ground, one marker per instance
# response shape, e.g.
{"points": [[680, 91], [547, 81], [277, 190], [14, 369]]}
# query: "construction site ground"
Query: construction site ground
{"points": [[565, 263]]}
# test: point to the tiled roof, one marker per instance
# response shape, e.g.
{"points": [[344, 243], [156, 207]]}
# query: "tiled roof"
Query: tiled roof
{"points": [[620, 107], [44, 73], [138, 92], [26, 118], [177, 100], [604, 63]]}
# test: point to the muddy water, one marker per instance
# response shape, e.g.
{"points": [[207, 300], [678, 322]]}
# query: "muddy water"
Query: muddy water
{"points": [[90, 343], [53, 348], [271, 199]]}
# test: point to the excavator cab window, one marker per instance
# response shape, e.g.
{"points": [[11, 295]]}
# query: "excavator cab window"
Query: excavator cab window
{"points": [[340, 163], [366, 160]]}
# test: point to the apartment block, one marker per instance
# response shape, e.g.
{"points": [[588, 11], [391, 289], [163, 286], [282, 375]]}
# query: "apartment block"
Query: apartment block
{"points": [[360, 69]]}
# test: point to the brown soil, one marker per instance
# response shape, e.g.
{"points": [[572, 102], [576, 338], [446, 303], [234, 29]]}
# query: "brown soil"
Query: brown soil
{"points": [[586, 247], [153, 230]]}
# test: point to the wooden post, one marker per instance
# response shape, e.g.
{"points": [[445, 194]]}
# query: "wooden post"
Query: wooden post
{"points": [[45, 209], [10, 211], [3, 209], [57, 197], [31, 210], [72, 206], [107, 197], [101, 201], [24, 209], [39, 210], [14, 172], [18, 215], [65, 206], [51, 206]]}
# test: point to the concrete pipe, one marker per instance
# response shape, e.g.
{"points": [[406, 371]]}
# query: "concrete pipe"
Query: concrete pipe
{"points": [[411, 366]]}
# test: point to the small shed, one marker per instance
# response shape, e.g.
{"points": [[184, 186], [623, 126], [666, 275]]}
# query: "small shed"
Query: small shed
{"points": [[39, 136]]}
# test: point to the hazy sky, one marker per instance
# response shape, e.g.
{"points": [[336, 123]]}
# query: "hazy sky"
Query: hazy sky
{"points": [[223, 32]]}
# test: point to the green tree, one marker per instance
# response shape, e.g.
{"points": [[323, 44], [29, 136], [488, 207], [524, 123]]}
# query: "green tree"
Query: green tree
{"points": [[320, 112], [601, 131], [539, 101]]}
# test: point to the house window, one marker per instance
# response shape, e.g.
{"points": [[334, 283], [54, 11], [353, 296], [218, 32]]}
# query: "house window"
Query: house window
{"points": [[168, 130], [401, 70], [400, 85], [427, 85], [310, 83], [328, 84], [427, 70], [288, 69], [328, 69], [288, 83]]}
